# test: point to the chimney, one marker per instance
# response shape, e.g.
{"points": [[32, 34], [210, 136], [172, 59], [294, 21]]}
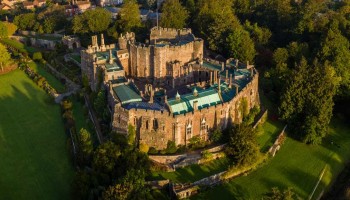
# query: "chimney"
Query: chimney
{"points": [[226, 79], [247, 64], [211, 78], [178, 96], [215, 77], [103, 42], [222, 66], [110, 57], [236, 89], [195, 105], [165, 99], [237, 63], [251, 72], [230, 82], [151, 97]]}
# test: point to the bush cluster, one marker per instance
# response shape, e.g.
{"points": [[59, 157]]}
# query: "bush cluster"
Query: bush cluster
{"points": [[39, 80]]}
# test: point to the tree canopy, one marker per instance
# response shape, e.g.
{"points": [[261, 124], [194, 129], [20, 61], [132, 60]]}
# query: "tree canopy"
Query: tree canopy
{"points": [[91, 21], [174, 15], [129, 18], [4, 57]]}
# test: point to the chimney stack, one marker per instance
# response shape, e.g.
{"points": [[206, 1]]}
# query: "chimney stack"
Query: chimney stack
{"points": [[211, 78], [195, 105], [236, 89], [222, 66], [103, 47], [110, 57], [165, 99], [230, 82], [237, 63]]}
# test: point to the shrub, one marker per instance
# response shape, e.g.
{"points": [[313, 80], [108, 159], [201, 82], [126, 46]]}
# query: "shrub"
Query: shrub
{"points": [[37, 56], [171, 147], [144, 148], [216, 136], [152, 150]]}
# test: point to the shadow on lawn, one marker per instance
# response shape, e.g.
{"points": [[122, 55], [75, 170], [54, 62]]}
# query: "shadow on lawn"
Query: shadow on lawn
{"points": [[305, 182]]}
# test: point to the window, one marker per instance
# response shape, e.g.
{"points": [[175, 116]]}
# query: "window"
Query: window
{"points": [[189, 130], [155, 124], [147, 124], [203, 126], [119, 119]]}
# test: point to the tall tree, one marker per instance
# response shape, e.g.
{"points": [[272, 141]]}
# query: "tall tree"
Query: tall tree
{"points": [[242, 146], [129, 16], [174, 15], [85, 145], [25, 21], [215, 17], [4, 57], [307, 101], [94, 21], [239, 45], [335, 48]]}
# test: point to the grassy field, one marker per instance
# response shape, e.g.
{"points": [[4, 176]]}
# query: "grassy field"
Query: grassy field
{"points": [[296, 165], [52, 80], [34, 160]]}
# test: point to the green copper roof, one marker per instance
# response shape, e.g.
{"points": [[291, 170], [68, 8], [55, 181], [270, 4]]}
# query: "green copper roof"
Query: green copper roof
{"points": [[113, 67], [126, 94], [211, 66], [205, 98]]}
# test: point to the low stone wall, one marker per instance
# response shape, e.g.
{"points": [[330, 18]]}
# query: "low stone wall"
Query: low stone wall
{"points": [[278, 142], [167, 159], [171, 159], [157, 184], [261, 119]]}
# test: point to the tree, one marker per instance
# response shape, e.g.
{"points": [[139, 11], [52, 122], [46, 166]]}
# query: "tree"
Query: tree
{"points": [[171, 147], [105, 158], [215, 17], [277, 194], [242, 147], [129, 16], [307, 100], [144, 148], [37, 56], [131, 135], [3, 30], [216, 136], [335, 48], [239, 45], [93, 21], [100, 103], [85, 145], [4, 57], [25, 21], [11, 28], [174, 15]]}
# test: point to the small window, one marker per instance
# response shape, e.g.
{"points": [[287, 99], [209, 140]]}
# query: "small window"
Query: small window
{"points": [[147, 124]]}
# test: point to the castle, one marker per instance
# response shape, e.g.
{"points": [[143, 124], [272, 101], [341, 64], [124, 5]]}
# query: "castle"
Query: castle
{"points": [[166, 89]]}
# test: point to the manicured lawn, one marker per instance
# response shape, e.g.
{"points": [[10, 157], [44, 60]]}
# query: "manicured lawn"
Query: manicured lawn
{"points": [[296, 165], [52, 80], [34, 160], [271, 129], [193, 172]]}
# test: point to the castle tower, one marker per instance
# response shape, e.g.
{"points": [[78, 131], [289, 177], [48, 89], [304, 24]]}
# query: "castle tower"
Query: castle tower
{"points": [[103, 47], [94, 41]]}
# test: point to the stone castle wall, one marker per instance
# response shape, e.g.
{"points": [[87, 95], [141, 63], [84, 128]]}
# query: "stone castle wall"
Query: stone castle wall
{"points": [[158, 33], [155, 128]]}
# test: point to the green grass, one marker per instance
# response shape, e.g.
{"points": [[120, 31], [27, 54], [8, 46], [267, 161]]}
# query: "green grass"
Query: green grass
{"points": [[193, 172], [19, 46], [51, 79], [296, 165], [270, 131], [34, 159], [81, 119]]}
